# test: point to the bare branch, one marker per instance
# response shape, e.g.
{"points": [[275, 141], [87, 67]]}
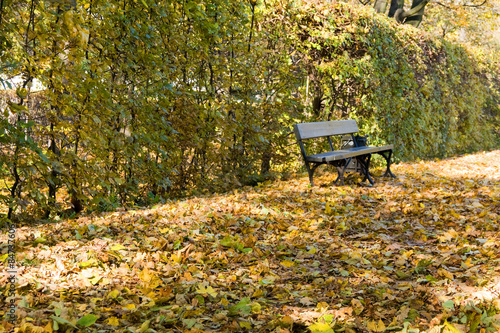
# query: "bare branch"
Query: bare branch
{"points": [[441, 4], [467, 5]]}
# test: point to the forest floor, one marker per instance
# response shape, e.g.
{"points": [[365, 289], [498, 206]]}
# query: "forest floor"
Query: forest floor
{"points": [[417, 253]]}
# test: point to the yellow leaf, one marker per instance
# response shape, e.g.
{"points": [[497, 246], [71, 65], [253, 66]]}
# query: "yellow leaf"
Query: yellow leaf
{"points": [[322, 306], [224, 302], [312, 250], [188, 276], [130, 306], [257, 293], [328, 208], [467, 263], [48, 328], [246, 324], [113, 294], [206, 290], [321, 328], [287, 263], [113, 321], [444, 273], [357, 305], [29, 327], [144, 327], [22, 92], [176, 257], [453, 328], [376, 326], [117, 247], [256, 307], [95, 280], [287, 321], [144, 275]]}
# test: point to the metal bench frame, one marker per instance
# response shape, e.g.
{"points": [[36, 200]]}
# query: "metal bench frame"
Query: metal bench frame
{"points": [[339, 158]]}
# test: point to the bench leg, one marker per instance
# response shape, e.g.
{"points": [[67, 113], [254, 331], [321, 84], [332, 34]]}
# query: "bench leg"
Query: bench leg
{"points": [[387, 158], [310, 171], [341, 168], [365, 165]]}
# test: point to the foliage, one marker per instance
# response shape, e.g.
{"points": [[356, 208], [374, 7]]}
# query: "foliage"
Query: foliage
{"points": [[467, 23], [142, 98], [418, 253]]}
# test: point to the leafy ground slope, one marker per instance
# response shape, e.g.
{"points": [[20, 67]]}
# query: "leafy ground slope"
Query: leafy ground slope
{"points": [[418, 253]]}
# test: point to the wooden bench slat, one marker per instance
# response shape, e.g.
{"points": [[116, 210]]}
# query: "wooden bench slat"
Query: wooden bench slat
{"points": [[346, 153], [325, 128]]}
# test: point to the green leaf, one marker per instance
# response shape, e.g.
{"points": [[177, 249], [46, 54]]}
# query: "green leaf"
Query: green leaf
{"points": [[226, 241], [62, 321], [189, 322], [241, 308], [87, 320], [40, 240], [450, 305]]}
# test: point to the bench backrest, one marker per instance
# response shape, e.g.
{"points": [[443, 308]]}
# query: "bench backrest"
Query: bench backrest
{"points": [[325, 128]]}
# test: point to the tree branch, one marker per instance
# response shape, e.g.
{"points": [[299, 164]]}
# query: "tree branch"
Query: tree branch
{"points": [[415, 9], [364, 3], [443, 5], [466, 5], [1, 11]]}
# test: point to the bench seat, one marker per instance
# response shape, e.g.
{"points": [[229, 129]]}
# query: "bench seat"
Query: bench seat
{"points": [[346, 153]]}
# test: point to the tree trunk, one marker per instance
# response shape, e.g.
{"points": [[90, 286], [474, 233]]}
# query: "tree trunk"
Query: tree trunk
{"points": [[380, 6], [415, 14], [265, 165], [395, 5]]}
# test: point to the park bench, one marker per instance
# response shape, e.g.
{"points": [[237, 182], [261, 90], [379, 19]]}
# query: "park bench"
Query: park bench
{"points": [[343, 158]]}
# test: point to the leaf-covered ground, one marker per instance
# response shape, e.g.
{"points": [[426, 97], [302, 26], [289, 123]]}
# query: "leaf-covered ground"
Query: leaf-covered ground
{"points": [[416, 253]]}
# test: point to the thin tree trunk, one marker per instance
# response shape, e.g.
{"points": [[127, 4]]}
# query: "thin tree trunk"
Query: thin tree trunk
{"points": [[395, 5], [380, 6]]}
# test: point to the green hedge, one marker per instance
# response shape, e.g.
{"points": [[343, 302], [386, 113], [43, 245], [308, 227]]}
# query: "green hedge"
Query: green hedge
{"points": [[145, 100]]}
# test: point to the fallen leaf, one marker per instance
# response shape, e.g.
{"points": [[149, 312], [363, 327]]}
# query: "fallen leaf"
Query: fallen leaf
{"points": [[87, 320], [320, 328], [376, 326]]}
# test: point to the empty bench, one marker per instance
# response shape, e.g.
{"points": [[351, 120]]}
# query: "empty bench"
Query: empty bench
{"points": [[343, 157]]}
